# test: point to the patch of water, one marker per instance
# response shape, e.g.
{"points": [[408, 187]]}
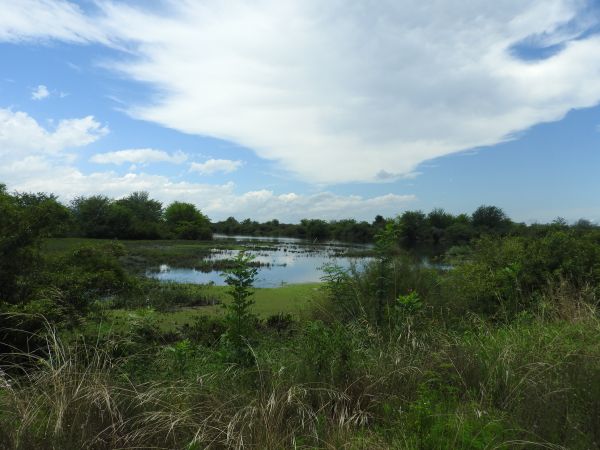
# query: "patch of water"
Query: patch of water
{"points": [[284, 261]]}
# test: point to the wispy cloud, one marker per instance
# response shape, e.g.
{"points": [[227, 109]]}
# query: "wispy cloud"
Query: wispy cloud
{"points": [[212, 166], [138, 156], [40, 92]]}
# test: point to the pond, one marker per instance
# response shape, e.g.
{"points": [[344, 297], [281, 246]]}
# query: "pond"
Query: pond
{"points": [[282, 261]]}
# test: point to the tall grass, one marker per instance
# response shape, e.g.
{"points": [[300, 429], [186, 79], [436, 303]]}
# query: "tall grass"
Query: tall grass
{"points": [[410, 383], [78, 396]]}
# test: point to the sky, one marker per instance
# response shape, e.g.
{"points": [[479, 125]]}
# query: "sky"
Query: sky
{"points": [[293, 109]]}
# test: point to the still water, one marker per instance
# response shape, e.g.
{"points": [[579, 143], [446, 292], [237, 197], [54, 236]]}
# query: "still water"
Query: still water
{"points": [[286, 261]]}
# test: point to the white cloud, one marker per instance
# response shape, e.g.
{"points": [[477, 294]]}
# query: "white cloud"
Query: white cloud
{"points": [[266, 205], [22, 135], [40, 92], [36, 159], [217, 201], [341, 91], [215, 165], [138, 156], [46, 19]]}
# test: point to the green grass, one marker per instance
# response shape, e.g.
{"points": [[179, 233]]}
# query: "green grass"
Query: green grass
{"points": [[288, 299], [141, 254]]}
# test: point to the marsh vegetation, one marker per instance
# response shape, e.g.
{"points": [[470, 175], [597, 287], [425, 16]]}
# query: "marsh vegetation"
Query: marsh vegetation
{"points": [[501, 351]]}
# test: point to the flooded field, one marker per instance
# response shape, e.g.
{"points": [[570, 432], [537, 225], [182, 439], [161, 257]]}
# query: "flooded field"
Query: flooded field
{"points": [[280, 260]]}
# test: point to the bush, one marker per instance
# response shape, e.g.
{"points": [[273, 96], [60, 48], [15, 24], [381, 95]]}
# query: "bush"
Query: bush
{"points": [[506, 276], [204, 330]]}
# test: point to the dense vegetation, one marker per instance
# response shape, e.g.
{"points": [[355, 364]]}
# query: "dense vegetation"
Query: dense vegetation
{"points": [[137, 216], [500, 351]]}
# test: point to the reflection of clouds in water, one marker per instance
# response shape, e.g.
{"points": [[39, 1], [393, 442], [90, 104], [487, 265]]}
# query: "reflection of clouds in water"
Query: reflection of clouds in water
{"points": [[286, 262]]}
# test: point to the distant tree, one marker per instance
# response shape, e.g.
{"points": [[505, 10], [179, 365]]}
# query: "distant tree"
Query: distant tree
{"points": [[584, 224], [228, 226], [145, 213], [57, 217], [560, 223], [185, 221], [93, 216], [413, 228], [439, 220], [315, 229], [350, 230], [378, 224], [490, 218]]}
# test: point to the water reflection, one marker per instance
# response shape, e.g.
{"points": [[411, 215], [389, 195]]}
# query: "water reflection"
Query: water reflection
{"points": [[286, 260]]}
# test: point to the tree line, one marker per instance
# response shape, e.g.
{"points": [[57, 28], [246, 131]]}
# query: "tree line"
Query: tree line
{"points": [[414, 228], [138, 216]]}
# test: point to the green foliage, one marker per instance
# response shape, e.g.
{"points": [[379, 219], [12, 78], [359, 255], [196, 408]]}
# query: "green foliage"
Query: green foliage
{"points": [[490, 218], [280, 323], [181, 353], [505, 276], [145, 216], [136, 216], [411, 303], [436, 420], [204, 330], [501, 350], [413, 228], [328, 353], [94, 217], [87, 274], [343, 301], [184, 221], [25, 219], [314, 229], [239, 318]]}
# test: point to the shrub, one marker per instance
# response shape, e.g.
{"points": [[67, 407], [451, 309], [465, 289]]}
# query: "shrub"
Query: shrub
{"points": [[240, 320]]}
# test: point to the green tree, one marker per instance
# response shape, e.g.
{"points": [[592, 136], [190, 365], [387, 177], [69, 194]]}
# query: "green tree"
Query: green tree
{"points": [[185, 221], [25, 219], [439, 220], [146, 216], [57, 217], [93, 216], [315, 229], [490, 218], [413, 228]]}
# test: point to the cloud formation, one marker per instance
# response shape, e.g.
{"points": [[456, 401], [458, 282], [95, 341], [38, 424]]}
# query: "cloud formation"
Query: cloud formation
{"points": [[40, 92], [138, 156], [219, 201], [36, 159], [42, 20], [212, 166], [21, 135], [341, 91]]}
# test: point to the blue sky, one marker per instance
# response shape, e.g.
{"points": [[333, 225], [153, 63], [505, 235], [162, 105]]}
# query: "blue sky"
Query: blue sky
{"points": [[271, 109]]}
